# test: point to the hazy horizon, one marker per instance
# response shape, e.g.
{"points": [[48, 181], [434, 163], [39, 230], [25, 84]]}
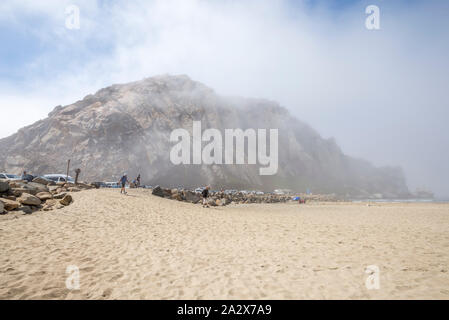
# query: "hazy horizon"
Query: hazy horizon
{"points": [[380, 93]]}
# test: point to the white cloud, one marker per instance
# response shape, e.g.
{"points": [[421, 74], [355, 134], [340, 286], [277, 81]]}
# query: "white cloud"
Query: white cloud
{"points": [[373, 90]]}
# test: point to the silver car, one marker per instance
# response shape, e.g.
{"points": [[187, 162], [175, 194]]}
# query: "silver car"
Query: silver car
{"points": [[8, 176]]}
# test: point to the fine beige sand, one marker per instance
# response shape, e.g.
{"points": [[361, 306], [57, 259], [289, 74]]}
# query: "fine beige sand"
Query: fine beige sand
{"points": [[143, 247]]}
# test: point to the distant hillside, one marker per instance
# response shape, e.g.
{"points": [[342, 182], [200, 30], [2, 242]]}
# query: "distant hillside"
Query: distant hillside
{"points": [[127, 127]]}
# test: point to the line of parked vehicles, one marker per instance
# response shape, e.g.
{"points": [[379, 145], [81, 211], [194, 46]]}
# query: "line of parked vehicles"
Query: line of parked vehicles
{"points": [[28, 177]]}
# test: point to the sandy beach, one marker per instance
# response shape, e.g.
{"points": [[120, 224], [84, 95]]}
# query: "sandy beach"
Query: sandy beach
{"points": [[144, 247]]}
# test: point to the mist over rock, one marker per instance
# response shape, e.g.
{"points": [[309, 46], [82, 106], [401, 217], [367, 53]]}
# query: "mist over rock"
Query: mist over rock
{"points": [[126, 128]]}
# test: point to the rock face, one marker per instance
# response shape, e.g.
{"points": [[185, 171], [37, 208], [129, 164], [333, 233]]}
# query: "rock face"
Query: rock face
{"points": [[127, 128]]}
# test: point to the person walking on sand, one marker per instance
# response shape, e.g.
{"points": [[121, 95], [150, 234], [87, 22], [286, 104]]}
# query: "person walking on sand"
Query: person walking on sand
{"points": [[123, 181], [205, 195], [138, 181]]}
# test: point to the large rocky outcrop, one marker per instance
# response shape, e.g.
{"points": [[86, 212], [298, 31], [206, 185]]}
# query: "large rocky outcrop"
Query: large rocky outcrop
{"points": [[126, 128]]}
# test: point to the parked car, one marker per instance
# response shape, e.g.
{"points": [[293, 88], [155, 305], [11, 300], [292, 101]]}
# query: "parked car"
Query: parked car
{"points": [[199, 190], [99, 184], [112, 185], [8, 176], [59, 178]]}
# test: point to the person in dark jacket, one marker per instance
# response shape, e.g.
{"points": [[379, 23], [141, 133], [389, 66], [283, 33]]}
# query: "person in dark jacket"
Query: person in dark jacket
{"points": [[122, 182], [27, 177], [205, 195]]}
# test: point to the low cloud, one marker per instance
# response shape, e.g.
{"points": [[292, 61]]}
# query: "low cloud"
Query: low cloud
{"points": [[380, 93]]}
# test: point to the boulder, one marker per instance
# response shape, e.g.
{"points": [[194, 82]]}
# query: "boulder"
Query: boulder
{"points": [[43, 196], [29, 199], [25, 210], [66, 200], [73, 189], [39, 187], [2, 208], [17, 192], [17, 189], [211, 202], [84, 186], [222, 202], [41, 181], [49, 205], [4, 186], [16, 184], [53, 188], [9, 205], [59, 195], [176, 196], [60, 190], [158, 191], [191, 197], [9, 197]]}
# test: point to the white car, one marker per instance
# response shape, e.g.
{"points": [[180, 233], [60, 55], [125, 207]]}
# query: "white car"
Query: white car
{"points": [[59, 178], [199, 190], [7, 176], [112, 185]]}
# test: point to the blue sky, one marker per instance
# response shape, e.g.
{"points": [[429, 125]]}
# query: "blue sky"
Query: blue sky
{"points": [[22, 43], [381, 94]]}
